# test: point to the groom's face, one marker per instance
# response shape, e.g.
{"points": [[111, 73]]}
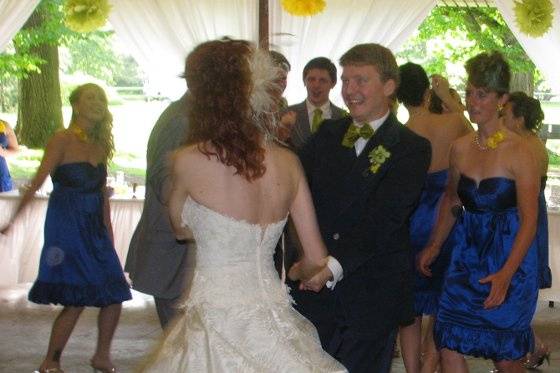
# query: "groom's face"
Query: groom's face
{"points": [[364, 92]]}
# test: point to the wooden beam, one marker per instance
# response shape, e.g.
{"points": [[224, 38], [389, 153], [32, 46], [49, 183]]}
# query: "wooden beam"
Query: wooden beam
{"points": [[263, 24]]}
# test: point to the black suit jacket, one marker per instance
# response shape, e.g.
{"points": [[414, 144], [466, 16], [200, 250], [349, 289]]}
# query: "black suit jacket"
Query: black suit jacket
{"points": [[302, 127], [364, 219]]}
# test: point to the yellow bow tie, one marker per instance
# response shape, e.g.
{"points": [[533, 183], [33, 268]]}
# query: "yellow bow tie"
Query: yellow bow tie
{"points": [[354, 133]]}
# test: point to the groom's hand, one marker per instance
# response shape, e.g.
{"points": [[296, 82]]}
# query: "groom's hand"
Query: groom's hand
{"points": [[318, 281]]}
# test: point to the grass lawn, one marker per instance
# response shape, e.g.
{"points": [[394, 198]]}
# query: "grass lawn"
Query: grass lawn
{"points": [[133, 121]]}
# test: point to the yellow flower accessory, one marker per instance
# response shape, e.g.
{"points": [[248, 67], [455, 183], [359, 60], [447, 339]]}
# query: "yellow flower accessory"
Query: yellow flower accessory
{"points": [[2, 126], [86, 15], [492, 142], [377, 157], [303, 7], [534, 17], [80, 133]]}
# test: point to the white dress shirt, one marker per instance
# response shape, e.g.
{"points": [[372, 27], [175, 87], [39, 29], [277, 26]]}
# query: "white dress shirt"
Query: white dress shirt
{"points": [[360, 144]]}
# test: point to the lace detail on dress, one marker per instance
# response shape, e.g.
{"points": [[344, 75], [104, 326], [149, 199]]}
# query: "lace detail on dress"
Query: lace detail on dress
{"points": [[238, 315]]}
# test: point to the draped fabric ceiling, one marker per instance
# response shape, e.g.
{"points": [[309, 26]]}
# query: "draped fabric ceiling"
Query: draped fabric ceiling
{"points": [[159, 34]]}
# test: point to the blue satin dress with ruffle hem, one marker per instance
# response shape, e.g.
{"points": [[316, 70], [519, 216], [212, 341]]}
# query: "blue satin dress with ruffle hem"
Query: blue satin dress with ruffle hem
{"points": [[545, 275], [427, 289], [484, 236], [78, 265], [5, 178]]}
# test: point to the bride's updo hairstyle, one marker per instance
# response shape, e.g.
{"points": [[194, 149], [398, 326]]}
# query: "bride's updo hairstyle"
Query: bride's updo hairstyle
{"points": [[489, 71], [231, 103]]}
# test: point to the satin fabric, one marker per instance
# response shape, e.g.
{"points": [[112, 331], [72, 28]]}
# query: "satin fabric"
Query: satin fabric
{"points": [[428, 289], [545, 275], [78, 265], [238, 315], [5, 178], [484, 237]]}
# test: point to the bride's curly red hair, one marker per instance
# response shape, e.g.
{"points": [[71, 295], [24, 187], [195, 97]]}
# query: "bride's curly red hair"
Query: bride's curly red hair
{"points": [[219, 111]]}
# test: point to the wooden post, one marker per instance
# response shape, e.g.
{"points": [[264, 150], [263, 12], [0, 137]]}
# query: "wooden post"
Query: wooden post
{"points": [[263, 24]]}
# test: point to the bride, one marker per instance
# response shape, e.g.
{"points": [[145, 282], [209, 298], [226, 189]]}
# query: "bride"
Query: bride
{"points": [[233, 189]]}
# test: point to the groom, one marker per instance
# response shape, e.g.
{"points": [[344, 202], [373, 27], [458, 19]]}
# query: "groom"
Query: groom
{"points": [[365, 173]]}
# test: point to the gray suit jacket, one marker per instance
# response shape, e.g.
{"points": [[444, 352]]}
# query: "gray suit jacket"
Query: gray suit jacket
{"points": [[155, 262], [302, 128]]}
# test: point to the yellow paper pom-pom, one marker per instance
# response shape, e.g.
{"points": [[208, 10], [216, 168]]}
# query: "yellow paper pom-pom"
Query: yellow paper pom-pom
{"points": [[86, 15], [303, 7], [534, 17]]}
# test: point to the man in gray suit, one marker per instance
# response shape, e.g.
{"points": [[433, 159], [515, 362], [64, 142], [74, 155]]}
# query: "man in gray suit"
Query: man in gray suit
{"points": [[156, 261], [319, 77]]}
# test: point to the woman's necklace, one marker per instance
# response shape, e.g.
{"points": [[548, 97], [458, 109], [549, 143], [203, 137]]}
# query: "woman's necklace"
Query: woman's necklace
{"points": [[491, 142], [80, 133]]}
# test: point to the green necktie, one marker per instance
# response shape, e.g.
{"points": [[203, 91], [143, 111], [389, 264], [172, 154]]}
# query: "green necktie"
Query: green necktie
{"points": [[354, 133], [317, 120]]}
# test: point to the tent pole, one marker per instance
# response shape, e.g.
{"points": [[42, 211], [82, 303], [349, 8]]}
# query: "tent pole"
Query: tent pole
{"points": [[263, 24]]}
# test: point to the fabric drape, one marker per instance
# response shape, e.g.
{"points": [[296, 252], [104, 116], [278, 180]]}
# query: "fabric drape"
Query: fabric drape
{"points": [[160, 34], [14, 13], [543, 51], [340, 26]]}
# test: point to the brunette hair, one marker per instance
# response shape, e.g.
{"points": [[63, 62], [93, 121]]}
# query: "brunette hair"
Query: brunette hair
{"points": [[490, 71], [414, 83], [528, 108], [220, 112], [102, 131], [322, 63]]}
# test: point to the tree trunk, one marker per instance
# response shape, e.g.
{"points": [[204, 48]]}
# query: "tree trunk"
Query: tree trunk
{"points": [[522, 82], [39, 102]]}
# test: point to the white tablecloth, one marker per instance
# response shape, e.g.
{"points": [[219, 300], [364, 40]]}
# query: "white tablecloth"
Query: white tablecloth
{"points": [[20, 249]]}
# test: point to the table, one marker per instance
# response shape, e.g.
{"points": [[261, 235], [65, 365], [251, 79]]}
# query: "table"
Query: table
{"points": [[21, 248]]}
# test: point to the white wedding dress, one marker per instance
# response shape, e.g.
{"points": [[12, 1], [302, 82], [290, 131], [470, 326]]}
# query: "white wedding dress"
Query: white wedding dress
{"points": [[238, 315]]}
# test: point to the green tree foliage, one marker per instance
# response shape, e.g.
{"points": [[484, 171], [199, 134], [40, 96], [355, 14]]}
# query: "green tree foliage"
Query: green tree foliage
{"points": [[451, 35]]}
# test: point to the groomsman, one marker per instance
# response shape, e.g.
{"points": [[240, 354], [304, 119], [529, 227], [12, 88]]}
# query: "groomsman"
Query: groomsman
{"points": [[319, 77], [365, 173], [156, 262]]}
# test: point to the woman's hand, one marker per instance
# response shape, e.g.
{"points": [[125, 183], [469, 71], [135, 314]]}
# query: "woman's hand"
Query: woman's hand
{"points": [[425, 259], [317, 282], [499, 282]]}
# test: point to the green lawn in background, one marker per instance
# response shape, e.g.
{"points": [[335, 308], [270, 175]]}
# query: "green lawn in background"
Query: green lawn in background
{"points": [[133, 121]]}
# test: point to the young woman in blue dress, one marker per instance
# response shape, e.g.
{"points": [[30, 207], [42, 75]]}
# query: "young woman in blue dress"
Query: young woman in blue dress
{"points": [[524, 116], [79, 266], [490, 288], [8, 147]]}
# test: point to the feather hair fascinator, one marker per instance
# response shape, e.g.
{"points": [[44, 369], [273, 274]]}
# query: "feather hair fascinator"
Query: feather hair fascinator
{"points": [[265, 93]]}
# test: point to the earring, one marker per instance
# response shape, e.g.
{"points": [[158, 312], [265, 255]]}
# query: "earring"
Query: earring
{"points": [[500, 109]]}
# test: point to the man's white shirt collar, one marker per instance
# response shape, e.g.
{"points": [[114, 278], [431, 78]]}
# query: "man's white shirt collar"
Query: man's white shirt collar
{"points": [[360, 144]]}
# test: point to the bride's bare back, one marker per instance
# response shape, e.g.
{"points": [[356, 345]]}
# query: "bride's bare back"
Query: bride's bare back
{"points": [[262, 201]]}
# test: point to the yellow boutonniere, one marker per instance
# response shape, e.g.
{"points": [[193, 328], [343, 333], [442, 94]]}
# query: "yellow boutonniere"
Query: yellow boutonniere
{"points": [[377, 157]]}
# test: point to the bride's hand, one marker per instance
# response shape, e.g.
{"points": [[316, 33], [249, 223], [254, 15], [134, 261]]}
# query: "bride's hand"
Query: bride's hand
{"points": [[317, 282], [304, 269]]}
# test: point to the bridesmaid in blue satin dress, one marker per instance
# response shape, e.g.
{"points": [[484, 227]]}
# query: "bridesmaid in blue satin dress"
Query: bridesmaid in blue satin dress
{"points": [[524, 116], [8, 146], [441, 130], [490, 288], [79, 266]]}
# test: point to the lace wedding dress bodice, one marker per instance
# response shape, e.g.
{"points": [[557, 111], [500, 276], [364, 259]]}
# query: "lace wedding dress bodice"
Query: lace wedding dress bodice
{"points": [[238, 315]]}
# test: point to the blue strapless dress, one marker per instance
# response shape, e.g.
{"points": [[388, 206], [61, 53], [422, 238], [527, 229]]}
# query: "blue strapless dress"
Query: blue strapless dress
{"points": [[79, 265], [5, 179], [428, 289], [545, 275], [484, 236]]}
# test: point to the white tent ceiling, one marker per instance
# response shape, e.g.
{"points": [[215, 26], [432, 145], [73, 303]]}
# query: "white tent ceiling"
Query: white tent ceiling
{"points": [[159, 34]]}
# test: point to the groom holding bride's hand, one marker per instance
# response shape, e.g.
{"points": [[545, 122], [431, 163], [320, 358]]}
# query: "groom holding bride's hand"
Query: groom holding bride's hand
{"points": [[365, 173]]}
